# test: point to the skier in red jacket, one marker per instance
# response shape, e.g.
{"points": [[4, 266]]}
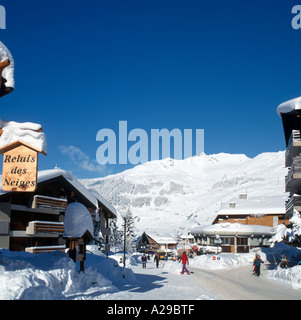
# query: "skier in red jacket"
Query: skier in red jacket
{"points": [[185, 261]]}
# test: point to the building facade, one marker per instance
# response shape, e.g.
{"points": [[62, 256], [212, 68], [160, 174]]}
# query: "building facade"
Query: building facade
{"points": [[150, 244], [34, 221], [290, 113], [242, 224]]}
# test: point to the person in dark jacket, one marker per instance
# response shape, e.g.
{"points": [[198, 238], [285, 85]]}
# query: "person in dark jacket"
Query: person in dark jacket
{"points": [[257, 263], [144, 260], [157, 259], [184, 260]]}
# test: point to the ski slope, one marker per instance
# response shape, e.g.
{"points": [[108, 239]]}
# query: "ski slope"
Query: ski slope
{"points": [[169, 197]]}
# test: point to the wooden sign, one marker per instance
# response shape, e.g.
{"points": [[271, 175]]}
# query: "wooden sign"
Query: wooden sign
{"points": [[20, 167]]}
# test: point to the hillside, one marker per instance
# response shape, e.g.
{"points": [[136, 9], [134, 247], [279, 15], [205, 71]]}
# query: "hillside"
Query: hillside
{"points": [[171, 196]]}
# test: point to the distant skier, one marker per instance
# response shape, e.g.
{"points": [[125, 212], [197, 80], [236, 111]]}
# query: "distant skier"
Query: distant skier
{"points": [[185, 261], [144, 260], [257, 262]]}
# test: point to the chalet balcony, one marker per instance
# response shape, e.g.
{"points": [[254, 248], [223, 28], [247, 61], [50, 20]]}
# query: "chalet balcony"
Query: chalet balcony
{"points": [[45, 228], [294, 202], [293, 178], [293, 147], [49, 203], [43, 249]]}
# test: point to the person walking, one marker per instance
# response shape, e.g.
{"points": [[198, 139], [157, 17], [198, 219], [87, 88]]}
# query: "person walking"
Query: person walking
{"points": [[257, 262], [157, 259], [184, 260], [144, 260]]}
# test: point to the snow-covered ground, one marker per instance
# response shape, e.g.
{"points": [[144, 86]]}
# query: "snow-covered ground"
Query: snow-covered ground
{"points": [[54, 276]]}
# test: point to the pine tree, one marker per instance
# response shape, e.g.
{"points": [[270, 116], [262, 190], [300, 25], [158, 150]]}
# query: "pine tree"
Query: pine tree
{"points": [[116, 235], [130, 233], [98, 238]]}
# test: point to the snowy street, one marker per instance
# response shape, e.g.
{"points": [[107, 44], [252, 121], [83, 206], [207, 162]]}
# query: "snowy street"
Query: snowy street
{"points": [[239, 284], [166, 283], [54, 276]]}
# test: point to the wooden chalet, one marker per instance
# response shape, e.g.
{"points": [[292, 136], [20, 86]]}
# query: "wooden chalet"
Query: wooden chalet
{"points": [[150, 243], [243, 224], [34, 221], [265, 211]]}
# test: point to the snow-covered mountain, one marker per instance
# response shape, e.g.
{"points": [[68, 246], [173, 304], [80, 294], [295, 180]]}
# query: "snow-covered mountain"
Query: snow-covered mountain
{"points": [[169, 197]]}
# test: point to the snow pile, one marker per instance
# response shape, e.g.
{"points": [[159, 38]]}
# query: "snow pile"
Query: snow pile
{"points": [[281, 232], [54, 276], [27, 132], [224, 261], [219, 261], [290, 276], [296, 222], [8, 72], [77, 221]]}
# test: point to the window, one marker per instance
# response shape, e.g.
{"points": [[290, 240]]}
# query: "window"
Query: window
{"points": [[242, 241]]}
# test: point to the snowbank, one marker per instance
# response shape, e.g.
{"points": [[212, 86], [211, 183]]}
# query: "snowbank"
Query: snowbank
{"points": [[281, 232], [224, 261], [290, 276], [54, 276]]}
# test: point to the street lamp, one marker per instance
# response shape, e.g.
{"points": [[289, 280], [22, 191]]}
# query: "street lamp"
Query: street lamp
{"points": [[125, 216]]}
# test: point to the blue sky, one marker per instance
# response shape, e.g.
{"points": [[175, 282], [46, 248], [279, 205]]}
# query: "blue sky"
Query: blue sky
{"points": [[86, 65]]}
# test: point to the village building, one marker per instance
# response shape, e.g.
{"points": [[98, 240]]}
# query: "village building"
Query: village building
{"points": [[34, 221], [150, 243], [290, 113], [242, 224]]}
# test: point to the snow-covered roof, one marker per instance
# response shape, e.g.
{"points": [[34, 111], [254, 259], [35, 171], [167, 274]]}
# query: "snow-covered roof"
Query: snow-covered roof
{"points": [[228, 229], [93, 197], [162, 240], [187, 236], [289, 106], [254, 206]]}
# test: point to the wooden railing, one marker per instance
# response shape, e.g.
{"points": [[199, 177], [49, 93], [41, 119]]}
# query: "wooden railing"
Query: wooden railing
{"points": [[293, 147], [293, 201], [49, 202], [45, 249], [35, 227], [295, 168]]}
